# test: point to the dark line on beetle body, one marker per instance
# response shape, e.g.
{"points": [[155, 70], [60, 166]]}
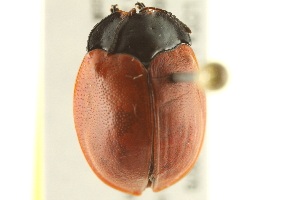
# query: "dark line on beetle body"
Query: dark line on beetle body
{"points": [[154, 126]]}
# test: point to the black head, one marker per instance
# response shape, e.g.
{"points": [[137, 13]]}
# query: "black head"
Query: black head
{"points": [[142, 35]]}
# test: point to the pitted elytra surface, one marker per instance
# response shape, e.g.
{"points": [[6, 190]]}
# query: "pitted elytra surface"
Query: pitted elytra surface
{"points": [[134, 123]]}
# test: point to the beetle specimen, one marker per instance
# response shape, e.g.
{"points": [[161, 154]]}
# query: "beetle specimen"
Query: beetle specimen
{"points": [[137, 127]]}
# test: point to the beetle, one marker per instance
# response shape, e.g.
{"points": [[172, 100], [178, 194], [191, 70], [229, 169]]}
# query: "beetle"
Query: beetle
{"points": [[137, 127]]}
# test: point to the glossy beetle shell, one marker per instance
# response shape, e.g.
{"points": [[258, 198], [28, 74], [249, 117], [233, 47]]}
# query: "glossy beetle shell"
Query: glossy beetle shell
{"points": [[136, 127]]}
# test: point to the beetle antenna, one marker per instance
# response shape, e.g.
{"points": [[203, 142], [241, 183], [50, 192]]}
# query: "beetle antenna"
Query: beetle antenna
{"points": [[114, 8], [140, 5]]}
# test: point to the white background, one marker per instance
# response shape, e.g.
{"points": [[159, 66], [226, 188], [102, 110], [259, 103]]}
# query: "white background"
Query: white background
{"points": [[253, 124], [20, 56]]}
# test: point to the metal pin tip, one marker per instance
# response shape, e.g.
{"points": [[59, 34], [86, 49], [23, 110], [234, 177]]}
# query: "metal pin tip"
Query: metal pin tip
{"points": [[212, 76], [185, 77]]}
